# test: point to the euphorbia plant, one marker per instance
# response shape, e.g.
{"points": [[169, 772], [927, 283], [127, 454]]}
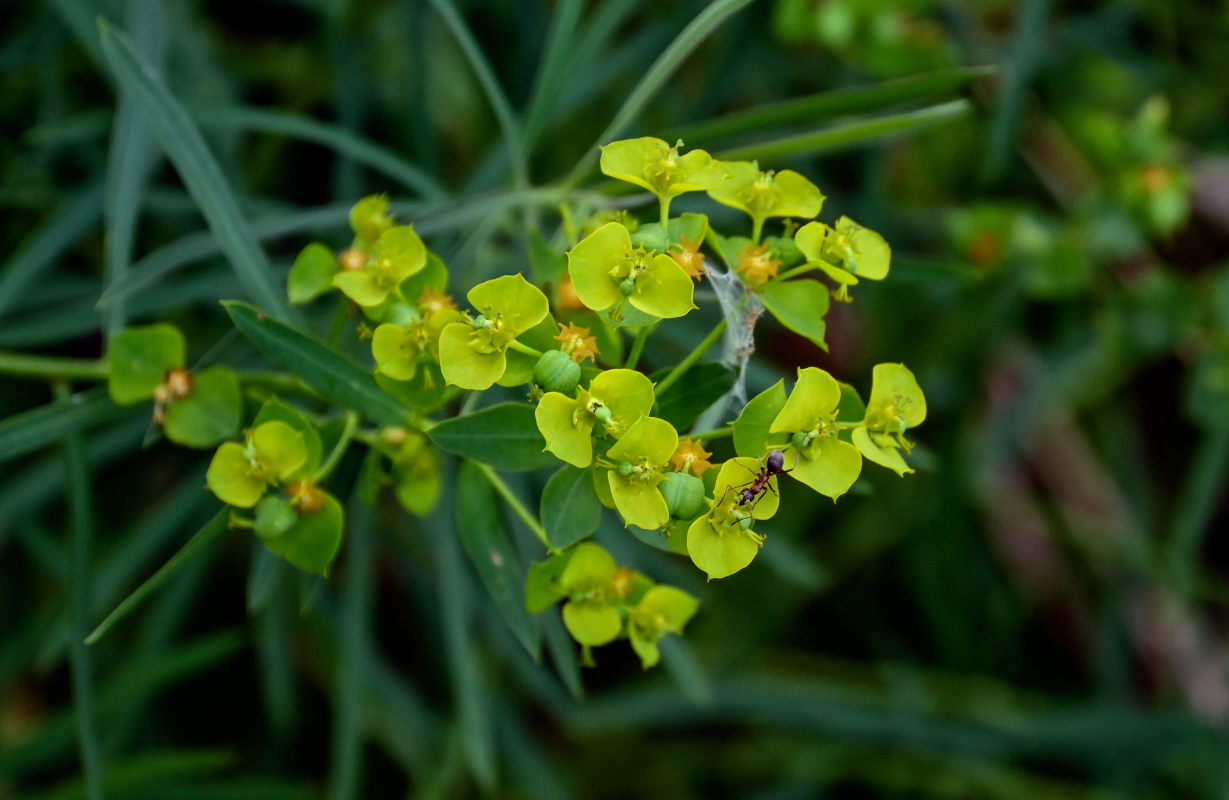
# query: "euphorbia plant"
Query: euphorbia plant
{"points": [[617, 436]]}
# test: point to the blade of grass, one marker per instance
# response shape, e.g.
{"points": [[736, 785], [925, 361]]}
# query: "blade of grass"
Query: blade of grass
{"points": [[1025, 54], [363, 151], [196, 166], [30, 430], [552, 74], [130, 160], [34, 256], [484, 535], [345, 759], [658, 73], [490, 86], [128, 777], [322, 368], [76, 470], [37, 483], [463, 659], [852, 134], [200, 541], [825, 105], [1201, 492], [138, 680]]}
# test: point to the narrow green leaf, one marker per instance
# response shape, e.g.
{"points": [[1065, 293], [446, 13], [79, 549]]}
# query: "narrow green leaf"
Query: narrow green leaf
{"points": [[42, 248], [851, 134], [131, 158], [658, 73], [363, 151], [485, 538], [552, 73], [829, 104], [201, 174], [505, 436], [462, 657], [322, 368], [571, 510], [346, 751], [81, 533], [30, 430], [199, 542], [684, 401]]}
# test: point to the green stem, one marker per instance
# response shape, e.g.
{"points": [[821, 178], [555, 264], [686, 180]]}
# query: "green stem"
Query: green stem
{"points": [[717, 433], [665, 213], [524, 348], [52, 368], [642, 336], [692, 357], [515, 504], [757, 229], [344, 309], [789, 273], [80, 518], [339, 449]]}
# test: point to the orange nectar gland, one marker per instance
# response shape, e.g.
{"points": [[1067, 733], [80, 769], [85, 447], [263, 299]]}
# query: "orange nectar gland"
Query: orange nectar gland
{"points": [[305, 497], [691, 456], [755, 265], [175, 386], [433, 300], [353, 259], [577, 342], [621, 583], [690, 258], [568, 299]]}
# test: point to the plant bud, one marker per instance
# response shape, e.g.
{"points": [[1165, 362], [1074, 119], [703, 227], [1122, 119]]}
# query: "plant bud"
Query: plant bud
{"points": [[684, 495], [557, 372]]}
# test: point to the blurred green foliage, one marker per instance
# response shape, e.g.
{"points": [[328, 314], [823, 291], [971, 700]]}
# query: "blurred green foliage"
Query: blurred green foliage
{"points": [[1039, 611]]}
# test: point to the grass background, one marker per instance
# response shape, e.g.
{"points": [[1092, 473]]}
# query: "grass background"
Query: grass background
{"points": [[1038, 612]]}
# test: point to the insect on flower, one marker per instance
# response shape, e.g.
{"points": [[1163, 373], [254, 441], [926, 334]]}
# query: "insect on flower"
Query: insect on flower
{"points": [[750, 492]]}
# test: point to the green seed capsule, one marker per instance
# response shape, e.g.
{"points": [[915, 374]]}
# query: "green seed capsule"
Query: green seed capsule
{"points": [[801, 440], [684, 495], [628, 286], [626, 469], [479, 322], [602, 415], [557, 372]]}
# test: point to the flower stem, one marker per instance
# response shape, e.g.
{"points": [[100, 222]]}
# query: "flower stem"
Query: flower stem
{"points": [[716, 433], [665, 212], [692, 357], [757, 228], [789, 273], [524, 348], [515, 504], [339, 449], [52, 367], [642, 336]]}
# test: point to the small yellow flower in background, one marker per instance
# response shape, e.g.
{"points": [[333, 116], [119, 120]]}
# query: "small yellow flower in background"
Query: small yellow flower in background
{"points": [[577, 342], [755, 265], [433, 300], [690, 258], [691, 455]]}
